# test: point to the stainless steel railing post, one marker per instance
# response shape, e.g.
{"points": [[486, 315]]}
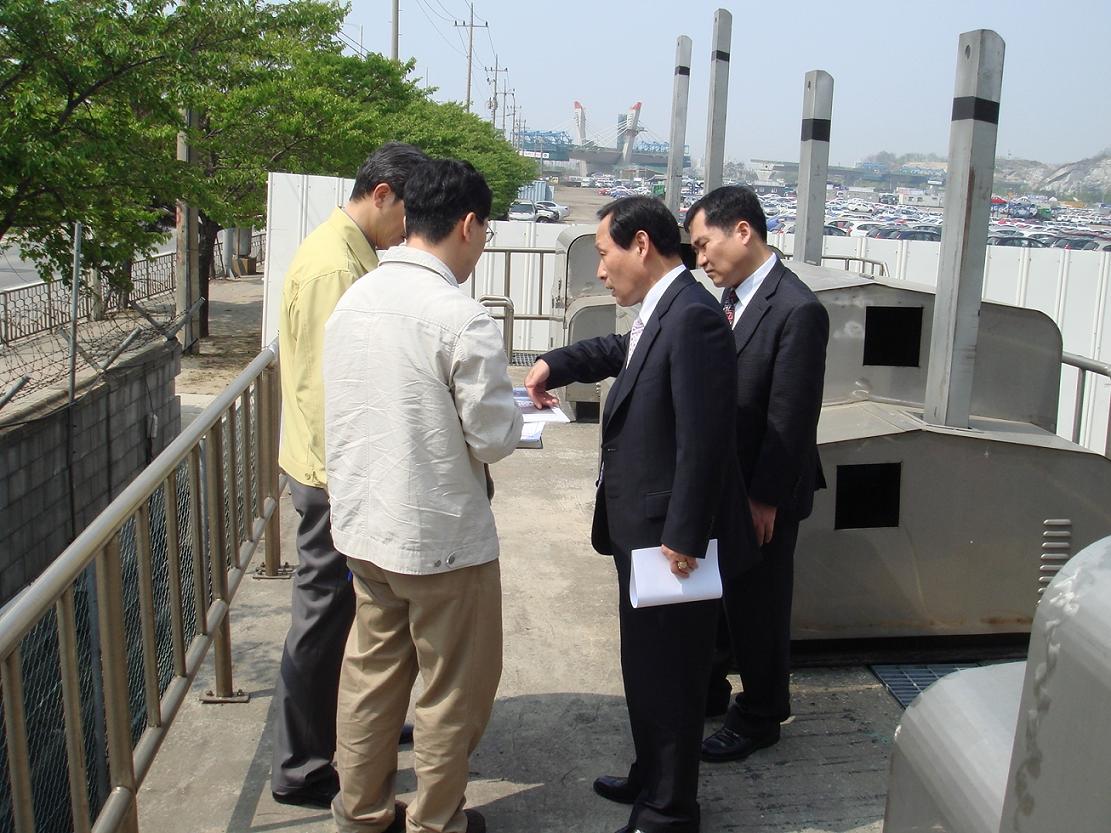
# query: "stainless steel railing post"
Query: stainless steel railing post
{"points": [[65, 610], [173, 568], [145, 562], [218, 567], [113, 658], [1078, 413], [15, 730], [270, 397]]}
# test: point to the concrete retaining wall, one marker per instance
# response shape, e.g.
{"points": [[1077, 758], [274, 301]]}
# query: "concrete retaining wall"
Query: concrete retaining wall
{"points": [[113, 441]]}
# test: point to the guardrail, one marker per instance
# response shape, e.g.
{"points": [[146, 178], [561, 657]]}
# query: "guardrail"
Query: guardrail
{"points": [[863, 265], [1086, 366], [38, 308], [44, 307], [99, 673]]}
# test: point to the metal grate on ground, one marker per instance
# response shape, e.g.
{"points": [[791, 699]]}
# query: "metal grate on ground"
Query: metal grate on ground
{"points": [[525, 358], [905, 682]]}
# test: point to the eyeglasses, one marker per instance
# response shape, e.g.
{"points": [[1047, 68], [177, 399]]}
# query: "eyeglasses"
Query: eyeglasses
{"points": [[489, 234]]}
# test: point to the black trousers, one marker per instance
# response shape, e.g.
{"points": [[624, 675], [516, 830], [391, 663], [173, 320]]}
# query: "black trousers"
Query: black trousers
{"points": [[754, 630], [666, 653], [323, 608]]}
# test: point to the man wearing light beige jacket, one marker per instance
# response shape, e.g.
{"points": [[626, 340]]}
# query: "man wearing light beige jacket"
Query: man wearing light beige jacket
{"points": [[417, 401]]}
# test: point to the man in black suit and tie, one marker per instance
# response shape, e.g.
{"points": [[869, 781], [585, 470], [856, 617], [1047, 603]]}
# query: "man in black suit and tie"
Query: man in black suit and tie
{"points": [[780, 331], [669, 480]]}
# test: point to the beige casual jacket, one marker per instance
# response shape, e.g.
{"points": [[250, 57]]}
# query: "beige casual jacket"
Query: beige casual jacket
{"points": [[416, 398]]}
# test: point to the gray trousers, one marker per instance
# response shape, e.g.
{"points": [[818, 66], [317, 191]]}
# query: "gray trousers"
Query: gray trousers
{"points": [[323, 608]]}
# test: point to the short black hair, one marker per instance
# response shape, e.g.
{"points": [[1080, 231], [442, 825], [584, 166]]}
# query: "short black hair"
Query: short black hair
{"points": [[726, 206], [629, 215], [439, 194], [392, 164]]}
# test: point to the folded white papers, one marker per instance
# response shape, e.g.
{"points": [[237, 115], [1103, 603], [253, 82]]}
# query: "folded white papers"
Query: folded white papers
{"points": [[531, 435], [652, 582], [530, 413]]}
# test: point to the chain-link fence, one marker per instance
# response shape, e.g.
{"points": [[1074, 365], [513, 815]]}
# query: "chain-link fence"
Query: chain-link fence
{"points": [[35, 322]]}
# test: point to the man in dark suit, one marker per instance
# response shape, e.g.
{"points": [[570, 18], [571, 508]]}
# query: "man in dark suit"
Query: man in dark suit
{"points": [[780, 331], [668, 480]]}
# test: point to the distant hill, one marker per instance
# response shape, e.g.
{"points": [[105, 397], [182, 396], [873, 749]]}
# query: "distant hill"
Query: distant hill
{"points": [[1088, 179]]}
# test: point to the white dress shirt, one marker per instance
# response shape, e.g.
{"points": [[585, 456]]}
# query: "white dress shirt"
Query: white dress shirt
{"points": [[747, 288], [651, 299]]}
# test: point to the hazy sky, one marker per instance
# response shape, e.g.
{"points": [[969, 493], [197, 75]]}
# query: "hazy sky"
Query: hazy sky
{"points": [[892, 62]]}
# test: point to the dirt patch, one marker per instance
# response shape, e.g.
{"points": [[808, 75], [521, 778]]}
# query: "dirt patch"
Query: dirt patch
{"points": [[235, 337]]}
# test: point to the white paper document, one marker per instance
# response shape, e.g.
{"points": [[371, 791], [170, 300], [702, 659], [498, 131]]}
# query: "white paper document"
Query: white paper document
{"points": [[652, 582], [531, 435], [530, 413]]}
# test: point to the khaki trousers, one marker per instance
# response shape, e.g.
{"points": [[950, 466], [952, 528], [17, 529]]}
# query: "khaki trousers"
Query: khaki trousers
{"points": [[448, 627]]}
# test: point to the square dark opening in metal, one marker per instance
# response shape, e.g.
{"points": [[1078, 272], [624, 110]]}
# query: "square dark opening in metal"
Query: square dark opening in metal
{"points": [[868, 495], [892, 336]]}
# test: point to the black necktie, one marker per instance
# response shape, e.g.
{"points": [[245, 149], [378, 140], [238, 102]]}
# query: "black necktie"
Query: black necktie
{"points": [[729, 305]]}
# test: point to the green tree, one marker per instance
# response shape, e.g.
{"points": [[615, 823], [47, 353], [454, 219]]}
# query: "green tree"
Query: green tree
{"points": [[449, 130], [89, 93]]}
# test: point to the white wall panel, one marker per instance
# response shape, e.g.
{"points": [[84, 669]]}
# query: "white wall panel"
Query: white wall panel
{"points": [[1070, 287]]}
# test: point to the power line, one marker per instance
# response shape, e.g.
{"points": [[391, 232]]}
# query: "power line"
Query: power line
{"points": [[422, 6]]}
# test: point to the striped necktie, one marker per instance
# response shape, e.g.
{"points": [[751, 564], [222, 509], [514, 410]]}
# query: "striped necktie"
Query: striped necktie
{"points": [[729, 305], [634, 337]]}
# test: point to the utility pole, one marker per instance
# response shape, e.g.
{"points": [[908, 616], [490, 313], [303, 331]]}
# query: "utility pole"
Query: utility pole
{"points": [[494, 100], [504, 109], [470, 49], [187, 268], [394, 38]]}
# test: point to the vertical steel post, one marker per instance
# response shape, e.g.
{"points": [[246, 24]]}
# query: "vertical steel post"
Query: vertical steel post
{"points": [[109, 590], [218, 566], [817, 114], [680, 93], [173, 568], [271, 408], [245, 463], [74, 293], [196, 542], [15, 732], [144, 559], [65, 610], [719, 100], [960, 278], [231, 487]]}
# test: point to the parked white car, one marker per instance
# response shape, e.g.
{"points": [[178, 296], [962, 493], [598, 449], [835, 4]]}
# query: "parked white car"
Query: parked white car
{"points": [[562, 210], [522, 210]]}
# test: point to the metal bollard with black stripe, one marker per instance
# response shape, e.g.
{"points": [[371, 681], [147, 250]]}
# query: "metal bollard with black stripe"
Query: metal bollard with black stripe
{"points": [[817, 114], [719, 100], [678, 136], [960, 277]]}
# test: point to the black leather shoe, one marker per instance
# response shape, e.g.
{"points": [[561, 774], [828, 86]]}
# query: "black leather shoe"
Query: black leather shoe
{"points": [[614, 788], [727, 745], [318, 796], [476, 823], [406, 738]]}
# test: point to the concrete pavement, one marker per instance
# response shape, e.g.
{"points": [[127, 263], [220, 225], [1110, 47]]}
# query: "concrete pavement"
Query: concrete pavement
{"points": [[559, 719]]}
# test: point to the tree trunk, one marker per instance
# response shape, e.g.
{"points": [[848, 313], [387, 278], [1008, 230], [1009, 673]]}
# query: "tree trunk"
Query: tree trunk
{"points": [[208, 231]]}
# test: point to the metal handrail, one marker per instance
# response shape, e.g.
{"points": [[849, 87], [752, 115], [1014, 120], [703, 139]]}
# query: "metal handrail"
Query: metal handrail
{"points": [[505, 303], [1086, 366], [875, 268], [215, 581]]}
